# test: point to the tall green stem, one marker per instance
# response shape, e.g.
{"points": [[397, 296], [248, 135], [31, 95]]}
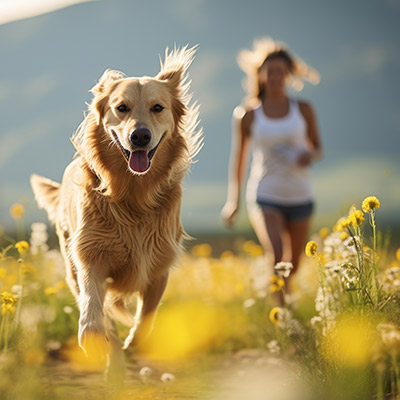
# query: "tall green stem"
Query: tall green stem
{"points": [[1, 330], [396, 373]]}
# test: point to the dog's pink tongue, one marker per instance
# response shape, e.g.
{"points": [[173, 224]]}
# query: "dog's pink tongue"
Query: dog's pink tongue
{"points": [[138, 161]]}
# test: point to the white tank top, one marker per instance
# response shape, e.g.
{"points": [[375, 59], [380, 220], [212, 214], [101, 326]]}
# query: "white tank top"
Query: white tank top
{"points": [[276, 145]]}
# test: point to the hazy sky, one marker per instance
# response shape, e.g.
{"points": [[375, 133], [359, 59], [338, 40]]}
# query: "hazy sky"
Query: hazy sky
{"points": [[49, 63]]}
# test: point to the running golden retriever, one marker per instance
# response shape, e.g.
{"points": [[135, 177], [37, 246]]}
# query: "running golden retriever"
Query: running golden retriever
{"points": [[117, 209]]}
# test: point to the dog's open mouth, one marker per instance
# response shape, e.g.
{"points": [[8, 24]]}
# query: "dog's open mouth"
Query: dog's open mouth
{"points": [[139, 161]]}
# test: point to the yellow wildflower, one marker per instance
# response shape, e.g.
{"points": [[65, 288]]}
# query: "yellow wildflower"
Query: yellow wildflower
{"points": [[311, 248], [8, 298], [274, 315], [176, 336], [273, 278], [257, 251], [60, 285], [7, 309], [202, 250], [356, 218], [22, 247], [17, 211], [278, 285], [252, 248], [248, 245], [50, 291], [273, 288], [342, 224], [324, 232], [370, 203], [398, 254], [344, 235], [227, 254], [351, 341], [28, 269]]}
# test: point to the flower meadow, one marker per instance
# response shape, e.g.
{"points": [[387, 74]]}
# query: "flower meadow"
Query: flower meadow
{"points": [[219, 333]]}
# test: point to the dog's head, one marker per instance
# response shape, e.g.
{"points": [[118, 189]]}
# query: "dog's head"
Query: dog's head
{"points": [[139, 115]]}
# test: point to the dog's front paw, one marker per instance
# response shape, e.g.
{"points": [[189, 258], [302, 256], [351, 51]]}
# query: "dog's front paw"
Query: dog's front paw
{"points": [[93, 341]]}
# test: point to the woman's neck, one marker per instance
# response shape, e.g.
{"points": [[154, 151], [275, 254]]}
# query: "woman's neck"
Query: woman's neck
{"points": [[275, 97]]}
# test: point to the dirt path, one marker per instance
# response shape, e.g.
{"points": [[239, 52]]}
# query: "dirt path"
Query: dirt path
{"points": [[248, 374]]}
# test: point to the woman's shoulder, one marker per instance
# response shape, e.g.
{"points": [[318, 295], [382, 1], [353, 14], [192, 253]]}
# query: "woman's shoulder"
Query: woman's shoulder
{"points": [[243, 116], [305, 108], [304, 104], [245, 112]]}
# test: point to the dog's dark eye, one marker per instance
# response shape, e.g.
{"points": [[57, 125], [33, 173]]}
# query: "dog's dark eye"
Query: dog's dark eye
{"points": [[123, 108], [157, 108]]}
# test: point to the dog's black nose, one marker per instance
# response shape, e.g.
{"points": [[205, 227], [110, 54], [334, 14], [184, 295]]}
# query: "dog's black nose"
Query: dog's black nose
{"points": [[140, 137]]}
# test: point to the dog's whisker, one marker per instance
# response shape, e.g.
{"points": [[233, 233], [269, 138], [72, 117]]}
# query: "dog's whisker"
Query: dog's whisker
{"points": [[111, 144]]}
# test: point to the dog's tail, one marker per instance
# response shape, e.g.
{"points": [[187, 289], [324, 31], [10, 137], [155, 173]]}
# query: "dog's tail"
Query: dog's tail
{"points": [[47, 195]]}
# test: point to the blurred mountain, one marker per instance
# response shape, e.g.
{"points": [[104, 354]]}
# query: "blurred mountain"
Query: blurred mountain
{"points": [[49, 63]]}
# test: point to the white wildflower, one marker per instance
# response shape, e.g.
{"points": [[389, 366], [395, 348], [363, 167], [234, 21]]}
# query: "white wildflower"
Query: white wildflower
{"points": [[390, 279], [316, 321], [39, 237], [68, 309], [285, 316], [350, 277], [167, 377], [292, 298], [283, 269], [249, 303], [294, 328], [393, 272], [53, 345], [145, 374], [17, 291], [332, 245], [390, 335], [145, 371], [273, 347], [334, 266], [258, 278], [351, 242], [327, 306]]}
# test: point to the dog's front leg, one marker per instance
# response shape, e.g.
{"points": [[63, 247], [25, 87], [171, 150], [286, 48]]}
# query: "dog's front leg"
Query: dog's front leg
{"points": [[115, 369], [92, 335], [148, 303]]}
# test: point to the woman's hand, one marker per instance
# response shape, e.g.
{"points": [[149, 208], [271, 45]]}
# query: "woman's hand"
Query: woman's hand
{"points": [[229, 213]]}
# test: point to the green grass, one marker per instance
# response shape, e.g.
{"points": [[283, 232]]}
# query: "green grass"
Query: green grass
{"points": [[338, 337]]}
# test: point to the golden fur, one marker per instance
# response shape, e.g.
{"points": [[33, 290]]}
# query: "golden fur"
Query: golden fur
{"points": [[119, 228]]}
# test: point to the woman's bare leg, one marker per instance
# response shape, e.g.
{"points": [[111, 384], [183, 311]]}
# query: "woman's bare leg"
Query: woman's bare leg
{"points": [[298, 233], [276, 231]]}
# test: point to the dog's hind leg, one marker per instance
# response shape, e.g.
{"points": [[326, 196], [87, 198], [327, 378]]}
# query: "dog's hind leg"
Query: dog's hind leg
{"points": [[147, 305]]}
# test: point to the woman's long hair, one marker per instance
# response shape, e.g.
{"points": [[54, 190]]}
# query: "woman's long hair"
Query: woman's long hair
{"points": [[264, 49]]}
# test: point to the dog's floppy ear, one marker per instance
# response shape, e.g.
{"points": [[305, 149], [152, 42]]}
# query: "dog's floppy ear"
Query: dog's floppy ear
{"points": [[110, 75], [176, 63], [100, 98]]}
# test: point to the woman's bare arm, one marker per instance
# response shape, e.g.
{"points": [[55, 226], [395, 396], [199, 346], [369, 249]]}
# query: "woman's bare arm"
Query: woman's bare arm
{"points": [[313, 136], [241, 124]]}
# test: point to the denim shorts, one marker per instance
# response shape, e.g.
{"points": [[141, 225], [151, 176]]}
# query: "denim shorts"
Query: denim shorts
{"points": [[290, 213]]}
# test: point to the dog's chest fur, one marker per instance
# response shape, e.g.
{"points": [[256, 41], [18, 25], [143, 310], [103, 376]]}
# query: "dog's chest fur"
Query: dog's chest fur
{"points": [[125, 244]]}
